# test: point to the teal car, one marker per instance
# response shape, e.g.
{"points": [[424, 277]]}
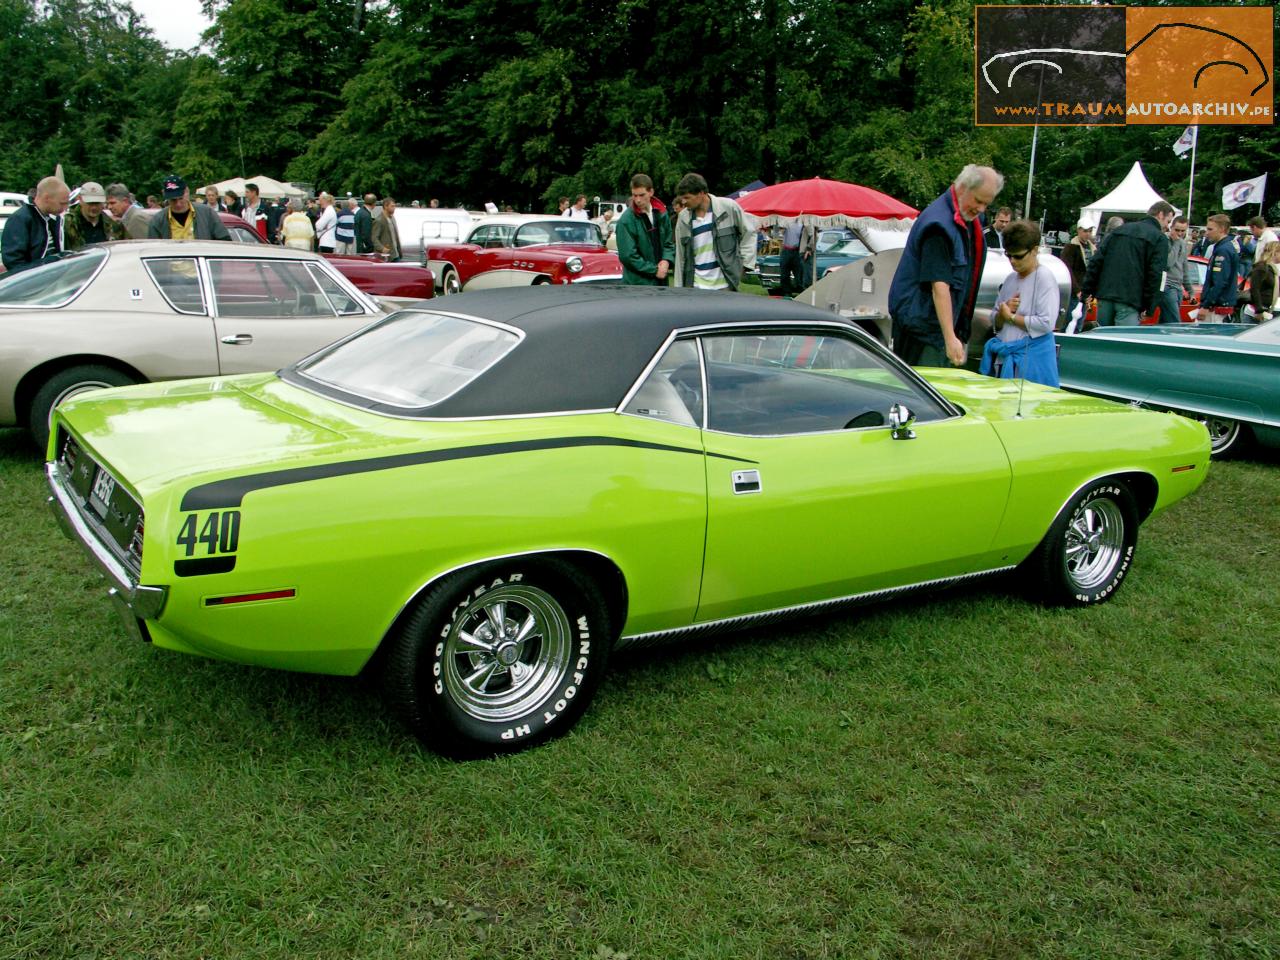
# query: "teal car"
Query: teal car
{"points": [[487, 496], [1226, 375], [835, 248]]}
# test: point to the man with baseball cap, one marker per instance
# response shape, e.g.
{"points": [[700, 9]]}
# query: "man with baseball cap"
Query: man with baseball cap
{"points": [[1076, 255], [85, 223], [179, 220]]}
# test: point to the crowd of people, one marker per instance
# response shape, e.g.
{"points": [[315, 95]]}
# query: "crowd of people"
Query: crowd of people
{"points": [[706, 242], [57, 220]]}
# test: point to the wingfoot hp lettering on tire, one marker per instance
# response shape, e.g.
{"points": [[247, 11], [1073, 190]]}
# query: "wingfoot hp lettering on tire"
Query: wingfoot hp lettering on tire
{"points": [[499, 659], [1087, 552]]}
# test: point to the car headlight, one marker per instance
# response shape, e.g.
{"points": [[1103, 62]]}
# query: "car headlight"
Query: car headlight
{"points": [[574, 264]]}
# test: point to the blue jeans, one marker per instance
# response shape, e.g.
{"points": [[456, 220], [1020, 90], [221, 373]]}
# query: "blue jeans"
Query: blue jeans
{"points": [[1170, 301], [1113, 313]]}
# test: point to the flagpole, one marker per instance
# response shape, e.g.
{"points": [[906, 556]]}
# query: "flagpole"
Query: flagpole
{"points": [[1191, 185]]}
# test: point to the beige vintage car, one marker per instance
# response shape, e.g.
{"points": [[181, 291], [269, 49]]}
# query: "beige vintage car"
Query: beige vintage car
{"points": [[139, 310]]}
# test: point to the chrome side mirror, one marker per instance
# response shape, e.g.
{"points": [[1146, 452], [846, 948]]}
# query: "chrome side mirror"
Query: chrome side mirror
{"points": [[900, 421]]}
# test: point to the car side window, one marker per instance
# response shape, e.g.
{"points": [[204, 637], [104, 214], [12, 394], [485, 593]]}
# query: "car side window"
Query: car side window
{"points": [[781, 384], [179, 282], [241, 235], [340, 299], [673, 389], [267, 288]]}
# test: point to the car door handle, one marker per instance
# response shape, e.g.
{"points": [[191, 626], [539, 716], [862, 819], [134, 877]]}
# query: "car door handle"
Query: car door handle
{"points": [[746, 481], [238, 339]]}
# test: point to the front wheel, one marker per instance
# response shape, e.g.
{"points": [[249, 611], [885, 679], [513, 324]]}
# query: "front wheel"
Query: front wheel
{"points": [[1224, 434], [64, 385], [1087, 552], [499, 658]]}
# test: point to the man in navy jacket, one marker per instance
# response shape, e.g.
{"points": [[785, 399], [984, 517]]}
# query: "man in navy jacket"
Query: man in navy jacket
{"points": [[1218, 299], [933, 291]]}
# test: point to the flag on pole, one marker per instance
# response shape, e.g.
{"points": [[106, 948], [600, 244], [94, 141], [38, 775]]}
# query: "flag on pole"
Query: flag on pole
{"points": [[1246, 191], [1186, 141]]}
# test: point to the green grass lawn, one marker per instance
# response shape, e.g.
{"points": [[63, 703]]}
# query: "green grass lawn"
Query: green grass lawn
{"points": [[966, 775]]}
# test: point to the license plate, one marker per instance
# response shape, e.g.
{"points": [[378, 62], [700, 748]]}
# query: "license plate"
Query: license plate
{"points": [[104, 487]]}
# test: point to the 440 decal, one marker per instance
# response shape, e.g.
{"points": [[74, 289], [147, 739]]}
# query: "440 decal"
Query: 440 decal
{"points": [[210, 541]]}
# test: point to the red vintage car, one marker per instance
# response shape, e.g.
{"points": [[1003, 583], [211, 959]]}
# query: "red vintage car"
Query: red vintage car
{"points": [[369, 271], [516, 250]]}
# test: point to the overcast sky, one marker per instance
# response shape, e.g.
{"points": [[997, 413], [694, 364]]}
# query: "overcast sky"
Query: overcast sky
{"points": [[177, 23]]}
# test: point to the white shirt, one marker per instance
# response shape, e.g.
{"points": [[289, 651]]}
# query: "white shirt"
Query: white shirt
{"points": [[325, 227], [573, 213]]}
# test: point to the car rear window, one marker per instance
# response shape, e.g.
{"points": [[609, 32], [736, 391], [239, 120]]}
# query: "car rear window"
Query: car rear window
{"points": [[413, 359], [52, 284]]}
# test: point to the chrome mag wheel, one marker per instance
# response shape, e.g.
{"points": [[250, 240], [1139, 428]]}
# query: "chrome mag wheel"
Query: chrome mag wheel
{"points": [[506, 653], [1095, 543]]}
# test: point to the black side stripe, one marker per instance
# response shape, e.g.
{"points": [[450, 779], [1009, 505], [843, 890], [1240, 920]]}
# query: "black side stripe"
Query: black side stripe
{"points": [[221, 494]]}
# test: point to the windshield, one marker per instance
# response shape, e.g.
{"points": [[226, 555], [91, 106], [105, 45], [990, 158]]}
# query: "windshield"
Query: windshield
{"points": [[557, 231], [845, 247], [52, 284], [412, 359]]}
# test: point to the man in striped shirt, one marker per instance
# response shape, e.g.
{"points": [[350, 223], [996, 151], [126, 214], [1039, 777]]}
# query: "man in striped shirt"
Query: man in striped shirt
{"points": [[715, 243]]}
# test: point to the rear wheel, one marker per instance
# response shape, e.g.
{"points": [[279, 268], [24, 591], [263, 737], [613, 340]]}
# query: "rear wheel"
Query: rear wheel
{"points": [[64, 385], [1086, 554], [449, 282], [499, 658]]}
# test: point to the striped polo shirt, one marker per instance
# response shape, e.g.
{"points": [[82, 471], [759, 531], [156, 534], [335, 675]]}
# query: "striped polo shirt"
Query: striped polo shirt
{"points": [[707, 274]]}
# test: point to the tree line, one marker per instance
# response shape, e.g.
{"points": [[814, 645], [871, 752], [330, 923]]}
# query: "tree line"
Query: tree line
{"points": [[522, 101]]}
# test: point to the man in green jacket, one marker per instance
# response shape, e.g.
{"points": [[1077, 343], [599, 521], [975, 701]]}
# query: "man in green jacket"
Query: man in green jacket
{"points": [[643, 236]]}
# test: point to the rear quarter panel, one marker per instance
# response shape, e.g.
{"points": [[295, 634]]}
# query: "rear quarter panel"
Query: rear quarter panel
{"points": [[358, 548]]}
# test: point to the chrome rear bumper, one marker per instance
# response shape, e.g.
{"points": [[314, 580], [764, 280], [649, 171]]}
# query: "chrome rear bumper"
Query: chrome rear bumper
{"points": [[132, 601]]}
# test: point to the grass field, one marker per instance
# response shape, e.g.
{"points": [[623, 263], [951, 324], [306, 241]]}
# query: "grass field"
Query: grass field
{"points": [[966, 775]]}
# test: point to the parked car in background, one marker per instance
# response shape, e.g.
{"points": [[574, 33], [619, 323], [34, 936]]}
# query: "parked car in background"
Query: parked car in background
{"points": [[138, 310], [398, 283], [495, 490], [420, 226], [520, 250], [835, 248], [1226, 375]]}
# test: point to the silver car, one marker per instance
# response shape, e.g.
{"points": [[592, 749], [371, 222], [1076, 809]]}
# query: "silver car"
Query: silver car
{"points": [[139, 310]]}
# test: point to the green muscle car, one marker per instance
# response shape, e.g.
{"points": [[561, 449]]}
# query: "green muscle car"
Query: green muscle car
{"points": [[494, 492]]}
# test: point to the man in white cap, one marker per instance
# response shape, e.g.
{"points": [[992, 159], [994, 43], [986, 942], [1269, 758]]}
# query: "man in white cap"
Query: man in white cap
{"points": [[85, 223]]}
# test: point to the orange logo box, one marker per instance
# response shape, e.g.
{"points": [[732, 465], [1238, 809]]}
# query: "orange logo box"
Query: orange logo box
{"points": [[1206, 65]]}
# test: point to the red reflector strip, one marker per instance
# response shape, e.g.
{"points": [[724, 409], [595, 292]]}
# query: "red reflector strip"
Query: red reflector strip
{"points": [[1184, 468], [250, 597]]}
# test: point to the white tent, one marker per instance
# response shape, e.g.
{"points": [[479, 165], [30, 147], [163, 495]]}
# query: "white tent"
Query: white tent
{"points": [[267, 186], [1133, 195]]}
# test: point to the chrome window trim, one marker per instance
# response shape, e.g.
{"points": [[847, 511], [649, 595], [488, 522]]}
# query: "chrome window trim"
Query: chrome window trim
{"points": [[306, 269], [297, 368], [699, 331], [106, 255], [311, 268], [655, 637], [203, 277]]}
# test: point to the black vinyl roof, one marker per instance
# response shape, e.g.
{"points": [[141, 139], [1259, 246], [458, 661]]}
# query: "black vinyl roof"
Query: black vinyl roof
{"points": [[586, 344]]}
